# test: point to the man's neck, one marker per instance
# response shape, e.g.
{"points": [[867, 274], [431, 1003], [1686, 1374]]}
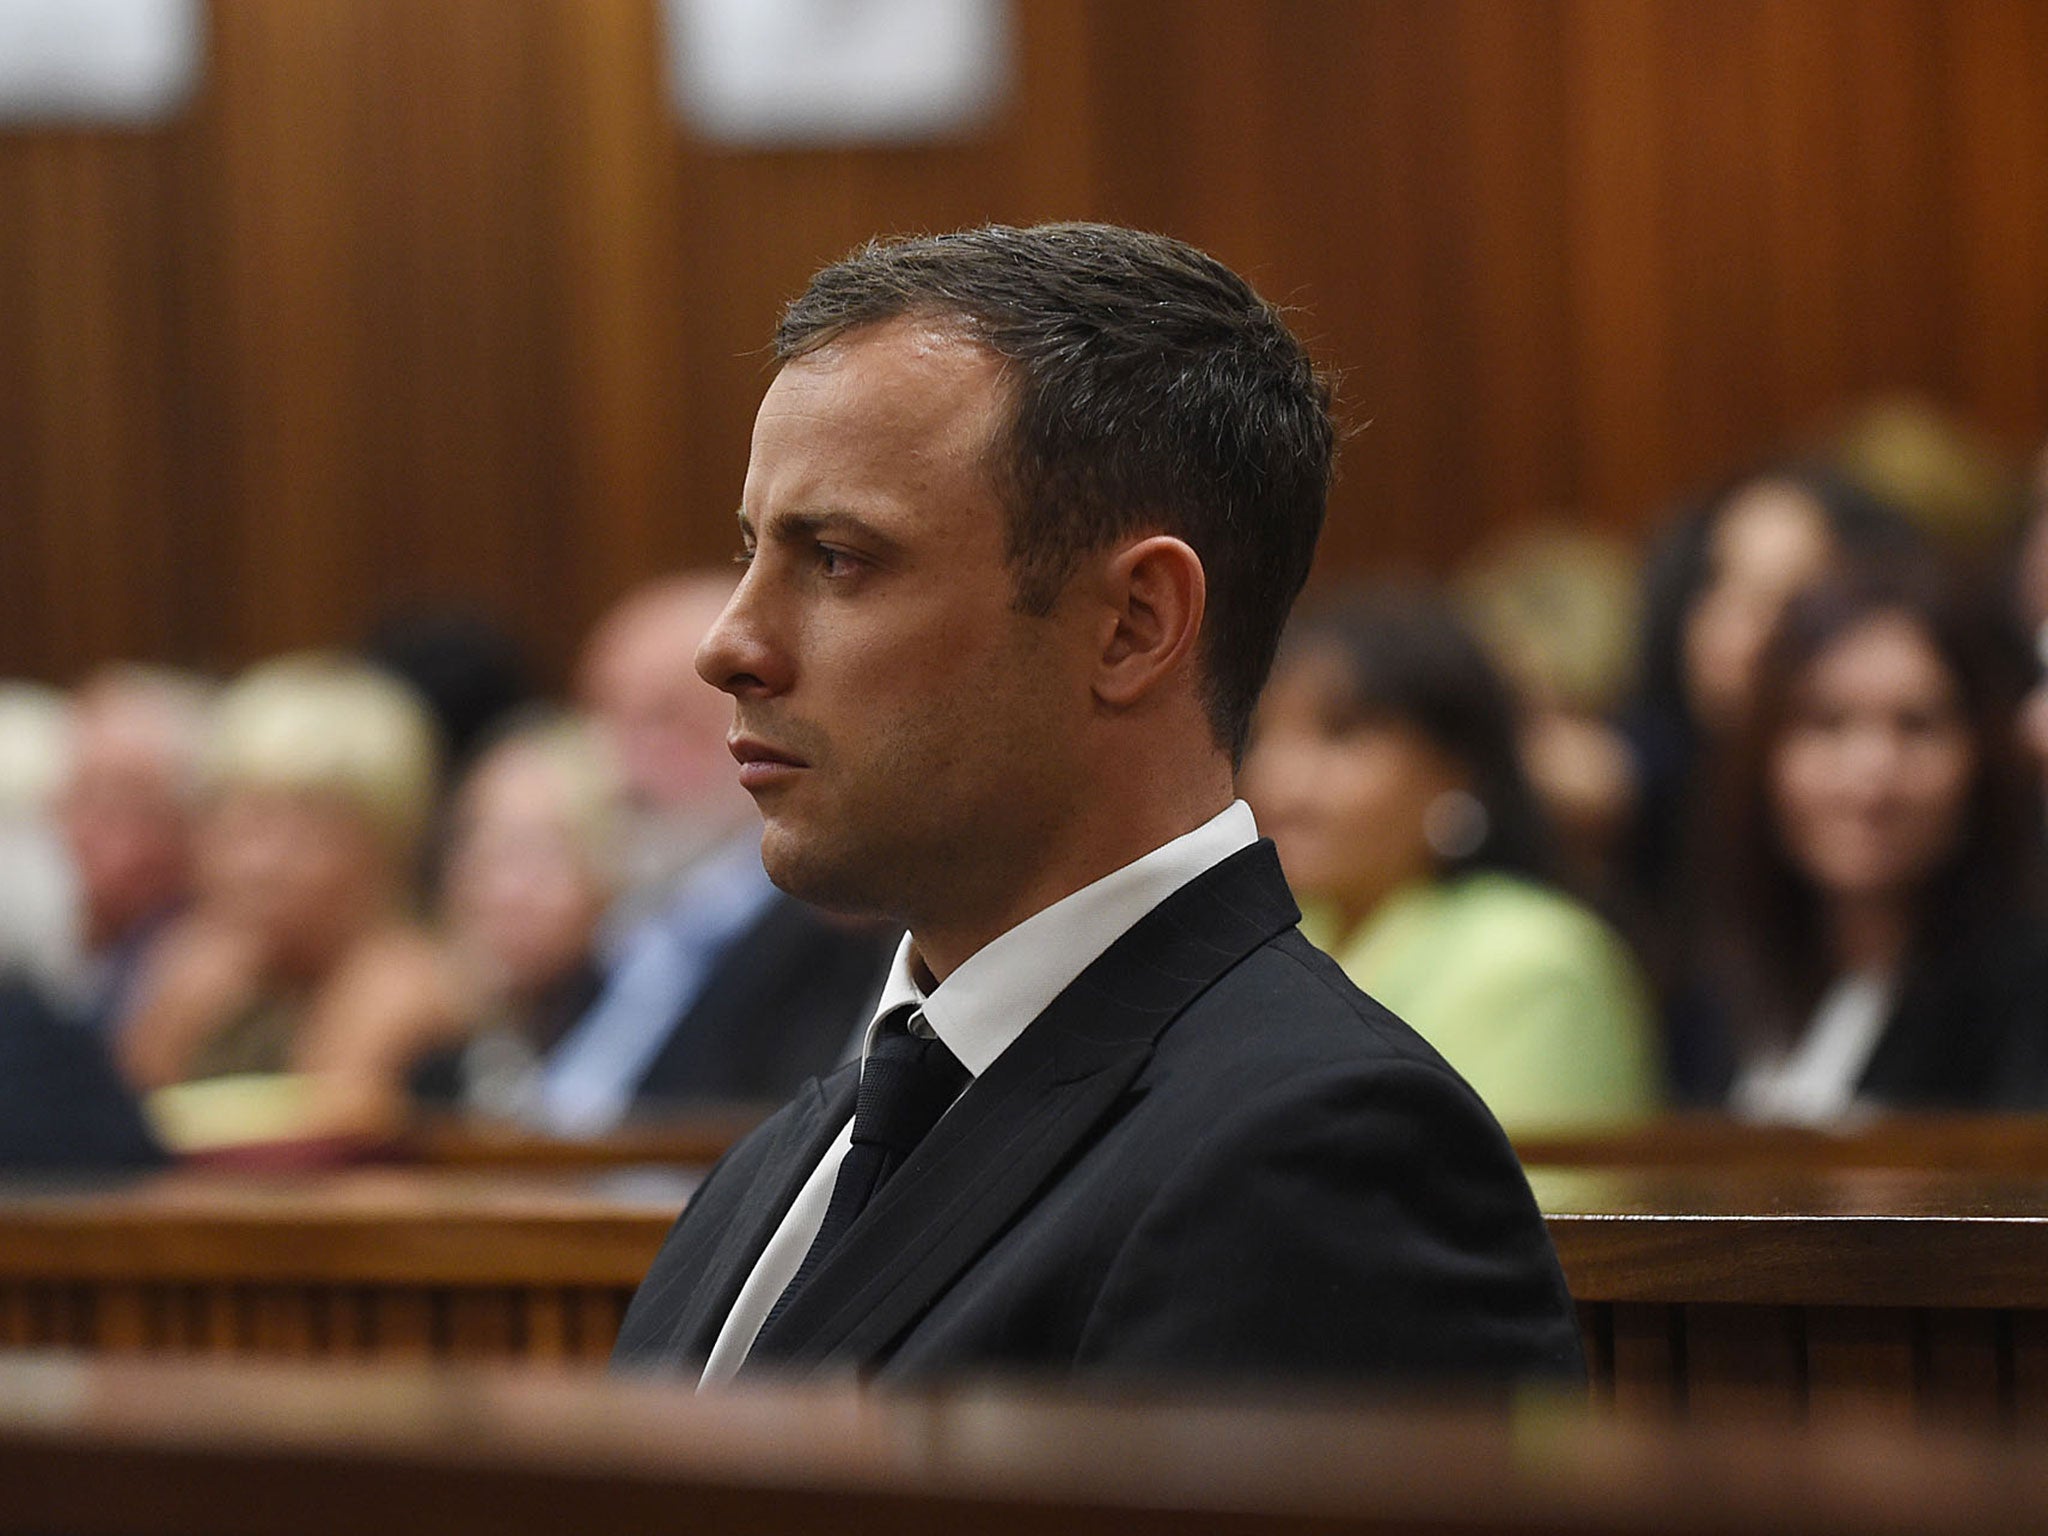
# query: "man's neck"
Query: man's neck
{"points": [[945, 940]]}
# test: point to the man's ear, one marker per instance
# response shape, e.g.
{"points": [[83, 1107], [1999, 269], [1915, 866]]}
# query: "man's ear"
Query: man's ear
{"points": [[1156, 592]]}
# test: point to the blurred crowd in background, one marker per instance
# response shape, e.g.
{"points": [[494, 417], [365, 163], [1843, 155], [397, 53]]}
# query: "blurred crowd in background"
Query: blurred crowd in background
{"points": [[1753, 820]]}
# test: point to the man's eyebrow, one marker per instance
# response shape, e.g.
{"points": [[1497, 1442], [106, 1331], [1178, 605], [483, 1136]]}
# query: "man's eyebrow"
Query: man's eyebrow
{"points": [[795, 527]]}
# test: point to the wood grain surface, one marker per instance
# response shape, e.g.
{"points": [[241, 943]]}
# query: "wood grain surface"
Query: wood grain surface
{"points": [[1805, 1294], [394, 1263], [1971, 1143], [440, 299], [180, 1449]]}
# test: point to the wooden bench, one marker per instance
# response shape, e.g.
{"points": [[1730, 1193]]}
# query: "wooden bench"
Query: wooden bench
{"points": [[695, 1138], [1997, 1143], [446, 1263], [1809, 1293], [152, 1448], [1979, 1143], [1802, 1294]]}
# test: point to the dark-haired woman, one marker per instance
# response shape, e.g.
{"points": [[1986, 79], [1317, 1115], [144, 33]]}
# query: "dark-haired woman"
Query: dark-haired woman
{"points": [[1384, 767], [1873, 936], [1713, 589]]}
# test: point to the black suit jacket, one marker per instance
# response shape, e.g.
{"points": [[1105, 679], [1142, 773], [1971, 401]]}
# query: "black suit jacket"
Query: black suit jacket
{"points": [[1211, 1156], [1968, 1029], [62, 1104]]}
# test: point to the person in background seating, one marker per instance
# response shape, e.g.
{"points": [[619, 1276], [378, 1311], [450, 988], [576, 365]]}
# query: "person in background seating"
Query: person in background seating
{"points": [[38, 938], [1713, 588], [1556, 609], [2027, 602], [1874, 935], [1385, 767], [719, 987], [465, 667], [300, 962], [665, 730], [129, 809], [62, 1104], [472, 677], [531, 867]]}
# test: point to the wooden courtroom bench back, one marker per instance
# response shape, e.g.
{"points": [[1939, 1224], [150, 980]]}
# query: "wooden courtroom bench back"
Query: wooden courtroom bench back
{"points": [[128, 1448], [1966, 1143], [386, 1263], [1809, 1293], [2016, 1144], [1801, 1294]]}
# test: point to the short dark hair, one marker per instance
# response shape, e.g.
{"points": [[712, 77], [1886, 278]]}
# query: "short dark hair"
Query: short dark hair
{"points": [[1151, 388]]}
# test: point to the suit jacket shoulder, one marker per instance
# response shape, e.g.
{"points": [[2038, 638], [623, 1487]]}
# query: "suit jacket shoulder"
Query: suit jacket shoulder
{"points": [[1211, 1155], [1326, 1199]]}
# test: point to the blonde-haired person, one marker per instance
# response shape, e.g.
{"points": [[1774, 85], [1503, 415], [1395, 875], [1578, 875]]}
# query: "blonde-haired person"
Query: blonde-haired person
{"points": [[300, 963], [533, 865]]}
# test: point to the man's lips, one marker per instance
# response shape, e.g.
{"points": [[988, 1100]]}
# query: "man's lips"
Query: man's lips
{"points": [[761, 765]]}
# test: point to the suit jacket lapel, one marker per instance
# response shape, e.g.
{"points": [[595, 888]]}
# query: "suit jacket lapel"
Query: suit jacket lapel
{"points": [[757, 1210], [992, 1153]]}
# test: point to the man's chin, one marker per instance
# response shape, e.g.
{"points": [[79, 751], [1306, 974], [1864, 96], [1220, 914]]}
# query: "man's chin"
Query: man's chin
{"points": [[804, 866]]}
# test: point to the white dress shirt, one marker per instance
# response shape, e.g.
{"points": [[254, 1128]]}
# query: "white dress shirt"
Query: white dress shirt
{"points": [[979, 1011], [1814, 1082]]}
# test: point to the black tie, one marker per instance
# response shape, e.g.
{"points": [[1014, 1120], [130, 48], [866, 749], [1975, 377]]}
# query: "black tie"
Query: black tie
{"points": [[906, 1083]]}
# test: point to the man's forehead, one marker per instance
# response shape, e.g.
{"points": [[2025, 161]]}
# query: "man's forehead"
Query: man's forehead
{"points": [[885, 415], [914, 370], [920, 332]]}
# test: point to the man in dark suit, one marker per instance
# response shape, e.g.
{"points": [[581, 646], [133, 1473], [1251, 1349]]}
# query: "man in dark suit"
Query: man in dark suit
{"points": [[1024, 514]]}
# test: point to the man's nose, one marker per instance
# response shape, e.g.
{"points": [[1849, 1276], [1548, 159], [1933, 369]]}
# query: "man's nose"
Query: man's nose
{"points": [[736, 655]]}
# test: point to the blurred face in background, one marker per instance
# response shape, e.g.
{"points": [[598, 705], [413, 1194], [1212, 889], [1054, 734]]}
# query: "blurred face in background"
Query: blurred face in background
{"points": [[127, 810], [523, 892], [303, 872], [1771, 541], [1343, 794], [1872, 773], [664, 726]]}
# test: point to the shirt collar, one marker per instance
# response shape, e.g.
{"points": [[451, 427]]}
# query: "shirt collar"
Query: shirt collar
{"points": [[981, 1008]]}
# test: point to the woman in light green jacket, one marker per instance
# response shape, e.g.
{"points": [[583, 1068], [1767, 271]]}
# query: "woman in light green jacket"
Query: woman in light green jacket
{"points": [[1384, 767]]}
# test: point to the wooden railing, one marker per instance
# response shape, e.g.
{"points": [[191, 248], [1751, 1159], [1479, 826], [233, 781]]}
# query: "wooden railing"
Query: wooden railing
{"points": [[1973, 1143], [365, 1262], [1983, 1144], [689, 1140], [1800, 1292], [134, 1448], [1811, 1293]]}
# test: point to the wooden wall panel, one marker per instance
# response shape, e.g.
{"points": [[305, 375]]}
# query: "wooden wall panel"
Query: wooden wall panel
{"points": [[436, 299]]}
